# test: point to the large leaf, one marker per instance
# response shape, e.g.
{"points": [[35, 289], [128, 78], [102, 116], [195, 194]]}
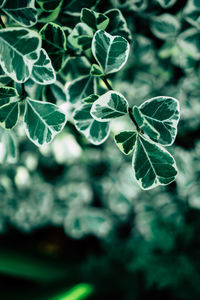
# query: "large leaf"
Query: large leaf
{"points": [[94, 19], [126, 140], [159, 115], [43, 72], [152, 164], [43, 121], [109, 106], [22, 11], [54, 42], [111, 52], [73, 7], [8, 153], [9, 114], [80, 88], [6, 92], [96, 132], [165, 26], [19, 49]]}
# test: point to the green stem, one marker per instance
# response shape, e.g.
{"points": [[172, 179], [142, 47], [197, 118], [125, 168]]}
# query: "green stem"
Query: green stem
{"points": [[133, 120]]}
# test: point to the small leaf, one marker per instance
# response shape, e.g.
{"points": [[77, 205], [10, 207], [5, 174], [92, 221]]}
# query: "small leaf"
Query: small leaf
{"points": [[125, 140], [9, 114], [43, 72], [6, 92], [19, 49], [96, 70], [166, 3], [152, 164], [73, 7], [165, 26], [81, 37], [109, 106], [23, 11], [90, 99], [80, 88], [96, 132], [43, 121], [189, 42], [8, 153], [94, 19], [159, 115], [48, 5], [111, 52]]}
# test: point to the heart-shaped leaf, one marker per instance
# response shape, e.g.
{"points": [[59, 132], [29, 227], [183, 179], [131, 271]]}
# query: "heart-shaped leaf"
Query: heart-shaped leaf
{"points": [[111, 52]]}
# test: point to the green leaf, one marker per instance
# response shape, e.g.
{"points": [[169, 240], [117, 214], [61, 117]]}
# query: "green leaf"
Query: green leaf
{"points": [[48, 5], [5, 80], [49, 16], [22, 11], [73, 7], [8, 153], [7, 92], [54, 42], [166, 3], [9, 114], [81, 37], [19, 49], [189, 42], [43, 72], [152, 164], [125, 140], [54, 93], [94, 19], [165, 26], [96, 132], [43, 121], [111, 52], [90, 99], [158, 118], [96, 70], [109, 106], [118, 25], [80, 88]]}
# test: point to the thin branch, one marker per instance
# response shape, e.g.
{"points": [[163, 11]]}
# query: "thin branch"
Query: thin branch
{"points": [[133, 120]]}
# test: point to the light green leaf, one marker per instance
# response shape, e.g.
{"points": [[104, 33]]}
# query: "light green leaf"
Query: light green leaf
{"points": [[189, 42], [165, 26], [8, 152], [73, 7], [19, 49], [90, 99], [96, 132], [54, 42], [80, 88], [166, 3], [118, 25], [6, 92], [43, 72], [125, 140], [9, 114], [111, 52], [81, 36], [152, 164], [96, 70], [22, 11], [94, 19], [158, 118], [43, 121], [109, 106]]}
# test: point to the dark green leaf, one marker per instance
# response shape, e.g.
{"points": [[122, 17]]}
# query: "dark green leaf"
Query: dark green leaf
{"points": [[94, 19], [9, 114], [126, 140], [96, 70], [7, 92]]}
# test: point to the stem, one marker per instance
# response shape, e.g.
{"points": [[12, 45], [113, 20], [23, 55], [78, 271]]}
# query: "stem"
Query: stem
{"points": [[133, 120], [107, 84], [2, 23]]}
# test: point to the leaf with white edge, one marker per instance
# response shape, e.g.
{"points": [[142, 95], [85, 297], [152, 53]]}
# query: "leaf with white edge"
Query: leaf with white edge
{"points": [[2, 2], [118, 25], [80, 88], [22, 11], [5, 80], [49, 16], [73, 7], [166, 3], [94, 19], [165, 26], [8, 149], [19, 50], [90, 99], [96, 132], [43, 121], [189, 43], [54, 42], [125, 140], [109, 106], [9, 114], [43, 72], [96, 70], [111, 52], [152, 164], [54, 93], [81, 36], [48, 5], [6, 92], [161, 114]]}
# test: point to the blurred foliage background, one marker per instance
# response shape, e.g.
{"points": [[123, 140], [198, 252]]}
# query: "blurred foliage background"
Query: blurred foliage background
{"points": [[71, 212]]}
